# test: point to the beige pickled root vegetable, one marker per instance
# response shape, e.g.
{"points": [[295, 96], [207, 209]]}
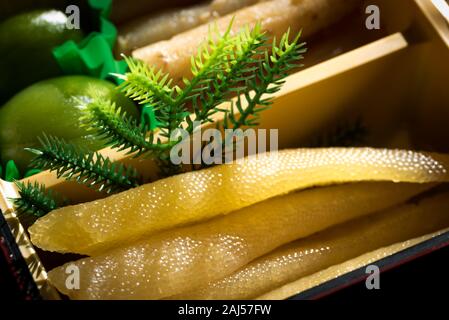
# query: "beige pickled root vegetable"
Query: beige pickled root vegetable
{"points": [[125, 10], [330, 247], [161, 26], [277, 16], [187, 258], [90, 228]]}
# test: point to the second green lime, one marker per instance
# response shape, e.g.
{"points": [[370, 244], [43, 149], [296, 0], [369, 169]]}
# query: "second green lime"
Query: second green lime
{"points": [[26, 44], [53, 107]]}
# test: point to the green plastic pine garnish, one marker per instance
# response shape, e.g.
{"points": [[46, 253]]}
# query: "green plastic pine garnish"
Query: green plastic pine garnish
{"points": [[246, 65], [34, 200], [243, 65], [89, 168]]}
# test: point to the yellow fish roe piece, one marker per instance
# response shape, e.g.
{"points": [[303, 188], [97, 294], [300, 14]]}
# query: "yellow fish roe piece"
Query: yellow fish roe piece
{"points": [[93, 227], [190, 257], [330, 247]]}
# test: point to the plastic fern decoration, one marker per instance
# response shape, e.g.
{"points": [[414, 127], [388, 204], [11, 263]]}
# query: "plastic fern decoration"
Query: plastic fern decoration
{"points": [[242, 65], [269, 74], [89, 168], [34, 199], [119, 131]]}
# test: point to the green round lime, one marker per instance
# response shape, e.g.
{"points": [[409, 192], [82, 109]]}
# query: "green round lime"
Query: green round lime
{"points": [[53, 107], [26, 44]]}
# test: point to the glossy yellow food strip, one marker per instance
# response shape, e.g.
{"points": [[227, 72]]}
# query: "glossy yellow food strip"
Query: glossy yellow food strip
{"points": [[330, 247], [188, 258], [277, 16], [92, 227], [161, 26]]}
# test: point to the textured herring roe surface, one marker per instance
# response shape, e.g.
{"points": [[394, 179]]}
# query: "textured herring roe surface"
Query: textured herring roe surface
{"points": [[328, 248], [92, 227], [184, 259]]}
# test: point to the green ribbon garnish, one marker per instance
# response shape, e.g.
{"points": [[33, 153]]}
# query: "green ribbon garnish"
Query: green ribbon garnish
{"points": [[93, 55]]}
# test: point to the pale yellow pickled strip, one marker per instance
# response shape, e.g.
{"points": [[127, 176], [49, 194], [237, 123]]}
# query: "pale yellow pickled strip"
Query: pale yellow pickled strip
{"points": [[161, 26], [277, 16], [188, 258], [92, 227], [330, 247]]}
